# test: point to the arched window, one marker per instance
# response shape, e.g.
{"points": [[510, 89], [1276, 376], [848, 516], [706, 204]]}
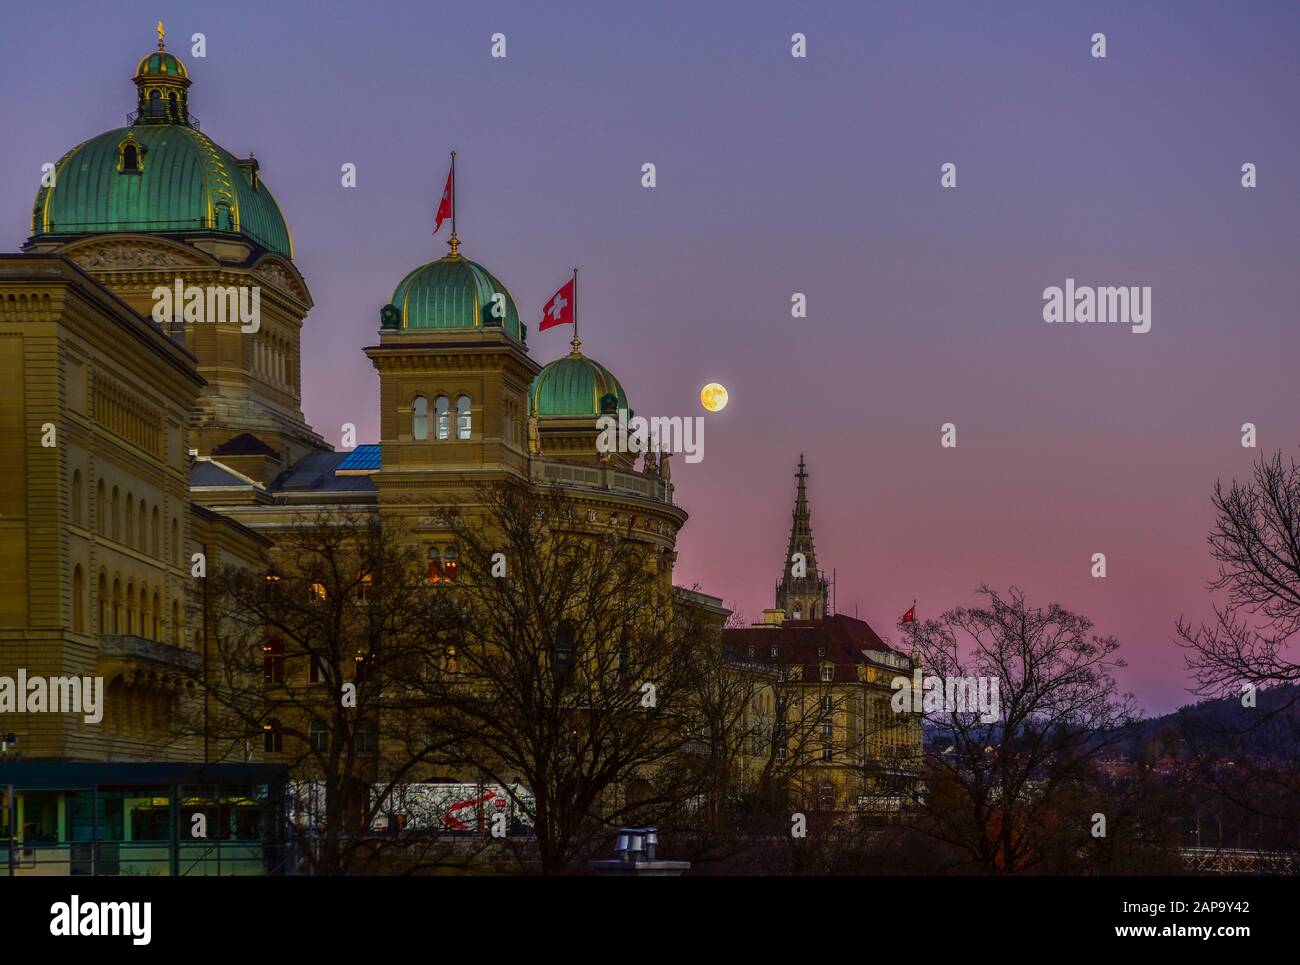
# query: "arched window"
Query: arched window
{"points": [[102, 600], [77, 496], [367, 737], [144, 611], [143, 520], [442, 416], [320, 736], [155, 103], [798, 612], [463, 417], [433, 565], [420, 418], [78, 600], [272, 736], [366, 588], [451, 659], [101, 509], [176, 623], [176, 542], [449, 558], [115, 512], [129, 162], [273, 661], [157, 533], [316, 592], [157, 617]]}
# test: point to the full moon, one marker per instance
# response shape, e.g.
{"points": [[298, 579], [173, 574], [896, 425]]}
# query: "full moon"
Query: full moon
{"points": [[713, 397]]}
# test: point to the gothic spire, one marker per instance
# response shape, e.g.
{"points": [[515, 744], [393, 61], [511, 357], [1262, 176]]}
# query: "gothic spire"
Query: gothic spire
{"points": [[802, 591]]}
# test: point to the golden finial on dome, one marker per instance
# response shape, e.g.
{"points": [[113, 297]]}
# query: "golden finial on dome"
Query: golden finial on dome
{"points": [[576, 346], [161, 34]]}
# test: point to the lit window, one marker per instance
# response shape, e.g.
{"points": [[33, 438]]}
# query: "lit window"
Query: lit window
{"points": [[828, 729], [433, 565], [452, 661], [463, 418], [366, 588], [828, 703], [442, 416], [273, 661], [316, 592], [828, 672], [449, 557], [272, 737], [420, 418]]}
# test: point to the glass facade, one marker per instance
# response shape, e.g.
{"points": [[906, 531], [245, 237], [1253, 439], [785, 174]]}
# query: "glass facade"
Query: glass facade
{"points": [[141, 819]]}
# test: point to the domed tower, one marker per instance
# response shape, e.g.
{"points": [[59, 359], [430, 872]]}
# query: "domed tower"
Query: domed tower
{"points": [[156, 205], [454, 373], [566, 398]]}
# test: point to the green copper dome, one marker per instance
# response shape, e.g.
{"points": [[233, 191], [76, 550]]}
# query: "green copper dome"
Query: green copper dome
{"points": [[575, 387], [451, 294], [178, 181], [161, 63], [159, 175]]}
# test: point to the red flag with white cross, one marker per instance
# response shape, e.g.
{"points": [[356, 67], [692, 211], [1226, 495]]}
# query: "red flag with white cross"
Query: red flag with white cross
{"points": [[559, 310]]}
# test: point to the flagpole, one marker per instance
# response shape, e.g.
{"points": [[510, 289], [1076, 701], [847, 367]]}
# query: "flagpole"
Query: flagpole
{"points": [[453, 203], [576, 342]]}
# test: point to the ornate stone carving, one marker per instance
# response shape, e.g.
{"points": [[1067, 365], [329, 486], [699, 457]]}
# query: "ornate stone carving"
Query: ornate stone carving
{"points": [[113, 258], [279, 276]]}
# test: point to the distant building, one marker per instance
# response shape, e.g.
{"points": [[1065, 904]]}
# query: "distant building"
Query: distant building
{"points": [[821, 715]]}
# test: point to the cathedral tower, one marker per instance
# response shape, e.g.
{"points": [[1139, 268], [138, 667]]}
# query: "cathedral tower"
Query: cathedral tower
{"points": [[802, 592]]}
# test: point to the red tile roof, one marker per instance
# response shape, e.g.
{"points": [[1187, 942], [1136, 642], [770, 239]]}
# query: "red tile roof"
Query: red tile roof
{"points": [[840, 639]]}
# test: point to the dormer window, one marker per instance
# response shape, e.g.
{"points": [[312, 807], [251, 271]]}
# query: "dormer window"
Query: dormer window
{"points": [[130, 156]]}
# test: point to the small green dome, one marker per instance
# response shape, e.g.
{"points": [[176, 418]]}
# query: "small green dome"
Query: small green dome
{"points": [[451, 294], [161, 64], [576, 387], [165, 178]]}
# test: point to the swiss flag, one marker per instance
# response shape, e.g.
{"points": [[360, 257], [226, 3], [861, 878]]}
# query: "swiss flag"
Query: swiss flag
{"points": [[444, 206], [910, 615], [559, 310]]}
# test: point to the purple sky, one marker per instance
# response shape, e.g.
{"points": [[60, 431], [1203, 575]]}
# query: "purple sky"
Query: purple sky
{"points": [[820, 176]]}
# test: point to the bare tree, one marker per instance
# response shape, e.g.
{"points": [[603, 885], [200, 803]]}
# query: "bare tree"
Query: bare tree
{"points": [[1249, 751], [569, 673], [1256, 541], [310, 667], [998, 787]]}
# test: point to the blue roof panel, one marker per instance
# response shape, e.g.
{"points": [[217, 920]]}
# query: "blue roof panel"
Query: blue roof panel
{"points": [[361, 458]]}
